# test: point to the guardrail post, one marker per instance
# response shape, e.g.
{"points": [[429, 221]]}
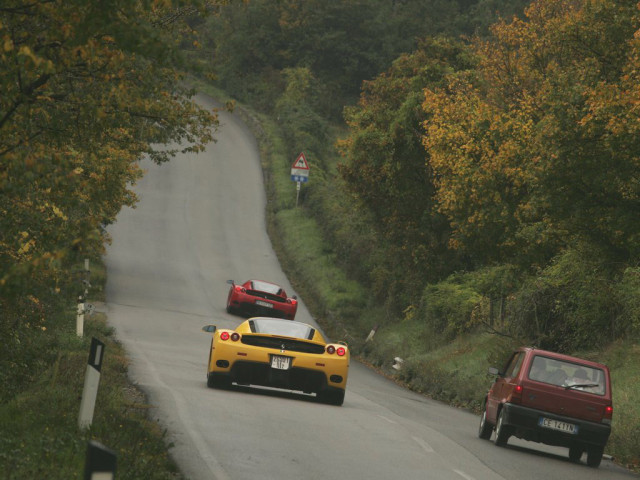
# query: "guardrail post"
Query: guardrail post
{"points": [[91, 382]]}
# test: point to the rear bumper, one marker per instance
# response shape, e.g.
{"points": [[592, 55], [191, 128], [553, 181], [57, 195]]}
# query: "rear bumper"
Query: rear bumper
{"points": [[250, 308], [302, 379], [524, 422]]}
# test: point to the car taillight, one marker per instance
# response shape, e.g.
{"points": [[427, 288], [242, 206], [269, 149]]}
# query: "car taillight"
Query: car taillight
{"points": [[331, 349], [516, 394], [224, 336], [241, 289], [341, 351], [608, 414], [235, 336]]}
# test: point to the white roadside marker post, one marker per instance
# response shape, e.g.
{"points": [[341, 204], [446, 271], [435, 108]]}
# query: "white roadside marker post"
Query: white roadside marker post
{"points": [[371, 334], [80, 317], [91, 382], [100, 463]]}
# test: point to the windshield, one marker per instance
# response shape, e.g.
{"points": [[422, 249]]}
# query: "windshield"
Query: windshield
{"points": [[567, 374]]}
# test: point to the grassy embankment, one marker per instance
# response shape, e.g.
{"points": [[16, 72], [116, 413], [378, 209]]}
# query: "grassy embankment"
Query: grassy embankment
{"points": [[454, 373], [39, 434]]}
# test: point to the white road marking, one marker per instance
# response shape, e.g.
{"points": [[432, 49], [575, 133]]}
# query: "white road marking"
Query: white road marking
{"points": [[425, 446], [463, 475], [387, 419]]}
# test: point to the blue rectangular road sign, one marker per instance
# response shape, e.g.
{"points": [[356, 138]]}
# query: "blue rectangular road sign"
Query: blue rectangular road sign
{"points": [[299, 178]]}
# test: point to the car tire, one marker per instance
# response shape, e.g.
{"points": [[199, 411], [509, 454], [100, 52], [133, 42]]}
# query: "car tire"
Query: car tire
{"points": [[332, 397], [485, 429], [217, 381], [594, 455], [502, 431], [575, 453]]}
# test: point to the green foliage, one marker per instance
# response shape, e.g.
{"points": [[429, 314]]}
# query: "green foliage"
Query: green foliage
{"points": [[343, 43], [447, 307], [523, 149], [302, 128], [40, 424], [627, 293], [571, 304], [87, 90]]}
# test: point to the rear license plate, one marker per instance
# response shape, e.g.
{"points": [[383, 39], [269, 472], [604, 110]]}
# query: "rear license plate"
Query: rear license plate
{"points": [[264, 304], [557, 425], [280, 363]]}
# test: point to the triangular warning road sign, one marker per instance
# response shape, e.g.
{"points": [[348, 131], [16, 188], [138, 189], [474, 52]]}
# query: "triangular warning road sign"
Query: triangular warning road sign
{"points": [[301, 162]]}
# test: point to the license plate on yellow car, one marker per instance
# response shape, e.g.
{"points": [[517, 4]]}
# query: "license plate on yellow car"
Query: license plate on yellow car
{"points": [[280, 363]]}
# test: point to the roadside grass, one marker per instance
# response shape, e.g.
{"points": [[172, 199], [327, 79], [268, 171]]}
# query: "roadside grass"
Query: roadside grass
{"points": [[40, 437], [623, 358]]}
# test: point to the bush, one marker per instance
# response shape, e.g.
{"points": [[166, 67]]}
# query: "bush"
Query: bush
{"points": [[569, 305], [447, 307]]}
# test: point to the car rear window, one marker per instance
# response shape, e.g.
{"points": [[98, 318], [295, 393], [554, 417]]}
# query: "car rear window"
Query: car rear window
{"points": [[266, 287], [568, 375], [285, 328]]}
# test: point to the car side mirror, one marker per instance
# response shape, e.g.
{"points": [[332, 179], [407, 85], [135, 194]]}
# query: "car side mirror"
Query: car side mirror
{"points": [[231, 282], [493, 371], [295, 297], [209, 328]]}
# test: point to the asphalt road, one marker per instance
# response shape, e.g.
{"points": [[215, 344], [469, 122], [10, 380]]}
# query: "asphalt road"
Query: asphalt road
{"points": [[200, 221]]}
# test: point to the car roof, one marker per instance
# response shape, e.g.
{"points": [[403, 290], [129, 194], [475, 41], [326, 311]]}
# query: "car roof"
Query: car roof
{"points": [[562, 356]]}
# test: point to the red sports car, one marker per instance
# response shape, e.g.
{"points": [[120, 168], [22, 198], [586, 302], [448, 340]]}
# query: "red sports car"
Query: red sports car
{"points": [[260, 298]]}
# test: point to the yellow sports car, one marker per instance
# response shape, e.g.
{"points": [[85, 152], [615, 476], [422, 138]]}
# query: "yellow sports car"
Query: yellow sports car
{"points": [[278, 353]]}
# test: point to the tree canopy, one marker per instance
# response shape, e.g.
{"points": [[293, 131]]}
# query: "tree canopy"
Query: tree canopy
{"points": [[524, 162], [88, 88]]}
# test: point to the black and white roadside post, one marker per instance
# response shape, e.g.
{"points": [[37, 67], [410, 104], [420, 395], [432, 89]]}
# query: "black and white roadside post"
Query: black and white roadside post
{"points": [[300, 173], [100, 463], [91, 382]]}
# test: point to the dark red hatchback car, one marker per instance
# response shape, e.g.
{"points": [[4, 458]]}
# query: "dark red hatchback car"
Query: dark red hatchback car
{"points": [[550, 398]]}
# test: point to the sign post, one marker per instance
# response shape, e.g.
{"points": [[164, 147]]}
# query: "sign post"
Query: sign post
{"points": [[300, 173]]}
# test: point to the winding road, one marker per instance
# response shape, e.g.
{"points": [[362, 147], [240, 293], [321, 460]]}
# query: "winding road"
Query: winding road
{"points": [[199, 222]]}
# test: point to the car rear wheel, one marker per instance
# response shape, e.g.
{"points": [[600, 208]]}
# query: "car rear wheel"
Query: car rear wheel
{"points": [[502, 431], [332, 397], [575, 453], [485, 429], [217, 381], [594, 455]]}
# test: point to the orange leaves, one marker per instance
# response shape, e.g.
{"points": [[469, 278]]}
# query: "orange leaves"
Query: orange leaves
{"points": [[543, 138]]}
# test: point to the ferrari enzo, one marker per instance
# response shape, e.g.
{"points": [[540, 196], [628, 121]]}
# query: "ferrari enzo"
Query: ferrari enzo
{"points": [[257, 297], [272, 352]]}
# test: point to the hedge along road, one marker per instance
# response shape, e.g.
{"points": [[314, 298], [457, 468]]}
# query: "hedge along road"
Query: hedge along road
{"points": [[200, 221]]}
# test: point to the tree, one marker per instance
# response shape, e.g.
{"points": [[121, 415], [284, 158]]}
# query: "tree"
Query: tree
{"points": [[389, 170], [533, 153], [88, 88]]}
